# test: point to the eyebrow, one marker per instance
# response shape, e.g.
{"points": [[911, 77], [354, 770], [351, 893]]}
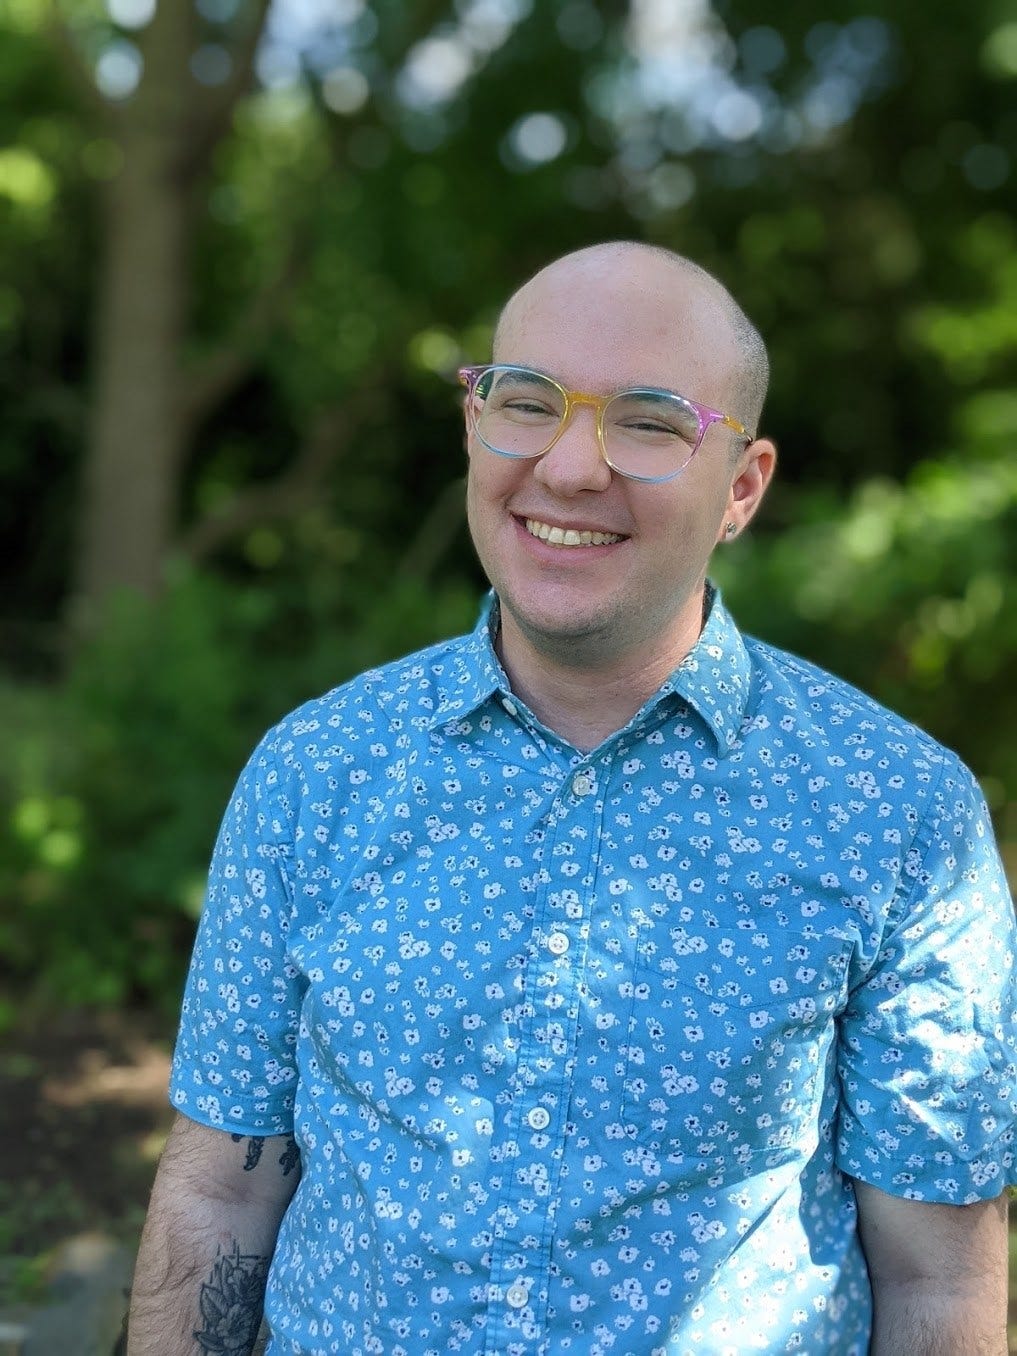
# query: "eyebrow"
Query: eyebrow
{"points": [[639, 388], [531, 374], [651, 395]]}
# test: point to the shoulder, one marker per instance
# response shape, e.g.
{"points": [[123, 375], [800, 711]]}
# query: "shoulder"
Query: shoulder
{"points": [[797, 692], [391, 699], [858, 751]]}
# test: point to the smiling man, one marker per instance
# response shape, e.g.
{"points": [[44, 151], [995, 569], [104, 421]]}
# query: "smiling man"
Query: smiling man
{"points": [[608, 622], [603, 981]]}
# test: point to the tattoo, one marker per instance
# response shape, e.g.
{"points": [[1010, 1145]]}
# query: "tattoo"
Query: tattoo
{"points": [[231, 1304], [255, 1148], [288, 1159], [290, 1156]]}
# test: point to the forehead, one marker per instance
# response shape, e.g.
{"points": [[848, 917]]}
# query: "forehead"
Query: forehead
{"points": [[600, 324]]}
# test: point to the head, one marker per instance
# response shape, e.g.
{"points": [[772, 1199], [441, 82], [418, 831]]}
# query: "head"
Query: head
{"points": [[602, 319]]}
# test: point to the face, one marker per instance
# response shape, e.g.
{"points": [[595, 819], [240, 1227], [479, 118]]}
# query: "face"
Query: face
{"points": [[632, 589]]}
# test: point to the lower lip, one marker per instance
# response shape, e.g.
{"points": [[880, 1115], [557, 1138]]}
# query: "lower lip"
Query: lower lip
{"points": [[566, 554]]}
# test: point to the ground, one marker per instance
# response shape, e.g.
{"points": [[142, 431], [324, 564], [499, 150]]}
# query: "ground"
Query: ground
{"points": [[83, 1118]]}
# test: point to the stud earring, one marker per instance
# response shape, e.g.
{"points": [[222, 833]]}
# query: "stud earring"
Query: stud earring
{"points": [[730, 529]]}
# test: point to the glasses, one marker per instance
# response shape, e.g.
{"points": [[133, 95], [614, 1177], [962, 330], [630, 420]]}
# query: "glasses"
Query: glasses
{"points": [[644, 433]]}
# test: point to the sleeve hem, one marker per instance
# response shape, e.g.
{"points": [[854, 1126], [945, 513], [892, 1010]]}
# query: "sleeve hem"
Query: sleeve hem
{"points": [[275, 1119], [929, 1193]]}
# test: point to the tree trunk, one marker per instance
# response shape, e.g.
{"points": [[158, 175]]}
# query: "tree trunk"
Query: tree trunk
{"points": [[139, 431]]}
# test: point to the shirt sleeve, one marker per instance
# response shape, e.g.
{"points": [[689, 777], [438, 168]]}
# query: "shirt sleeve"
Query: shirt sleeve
{"points": [[928, 1042], [233, 1065]]}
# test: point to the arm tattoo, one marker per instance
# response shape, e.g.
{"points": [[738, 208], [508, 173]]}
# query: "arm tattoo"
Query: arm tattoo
{"points": [[290, 1156], [288, 1159], [255, 1148], [231, 1304]]}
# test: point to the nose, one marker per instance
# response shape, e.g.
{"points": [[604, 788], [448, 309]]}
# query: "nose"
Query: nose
{"points": [[575, 461]]}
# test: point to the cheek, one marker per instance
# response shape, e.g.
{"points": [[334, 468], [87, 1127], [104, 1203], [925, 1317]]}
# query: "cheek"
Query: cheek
{"points": [[685, 526], [662, 511], [489, 479], [484, 496]]}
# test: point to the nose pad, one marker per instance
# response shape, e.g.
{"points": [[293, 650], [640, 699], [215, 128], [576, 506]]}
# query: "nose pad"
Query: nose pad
{"points": [[576, 460]]}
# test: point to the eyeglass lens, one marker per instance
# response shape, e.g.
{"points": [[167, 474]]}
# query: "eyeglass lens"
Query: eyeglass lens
{"points": [[646, 433]]}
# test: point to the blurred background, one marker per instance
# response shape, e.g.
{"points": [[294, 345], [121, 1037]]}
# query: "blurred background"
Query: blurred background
{"points": [[244, 246]]}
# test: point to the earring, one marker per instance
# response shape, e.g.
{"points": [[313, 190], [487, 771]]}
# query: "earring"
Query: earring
{"points": [[730, 529]]}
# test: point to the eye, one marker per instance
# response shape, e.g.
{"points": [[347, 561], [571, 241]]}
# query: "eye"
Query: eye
{"points": [[529, 399], [651, 426], [527, 405], [651, 417]]}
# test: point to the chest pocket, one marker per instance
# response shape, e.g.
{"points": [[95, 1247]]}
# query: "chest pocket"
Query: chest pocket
{"points": [[728, 1039]]}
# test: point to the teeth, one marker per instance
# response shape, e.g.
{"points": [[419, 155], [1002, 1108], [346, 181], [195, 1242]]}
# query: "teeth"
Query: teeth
{"points": [[558, 536]]}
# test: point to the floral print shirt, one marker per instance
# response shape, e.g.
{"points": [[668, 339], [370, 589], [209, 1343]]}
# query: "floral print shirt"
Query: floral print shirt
{"points": [[582, 1051]]}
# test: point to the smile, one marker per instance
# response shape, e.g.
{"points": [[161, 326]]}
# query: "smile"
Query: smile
{"points": [[569, 536]]}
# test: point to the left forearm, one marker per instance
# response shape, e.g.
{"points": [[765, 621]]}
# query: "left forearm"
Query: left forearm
{"points": [[922, 1319], [938, 1274]]}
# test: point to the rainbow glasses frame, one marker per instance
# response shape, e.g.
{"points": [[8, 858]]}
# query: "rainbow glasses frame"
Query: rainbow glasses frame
{"points": [[470, 378]]}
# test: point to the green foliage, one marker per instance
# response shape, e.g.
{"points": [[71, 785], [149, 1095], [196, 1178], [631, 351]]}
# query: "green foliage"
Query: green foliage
{"points": [[116, 779], [343, 261]]}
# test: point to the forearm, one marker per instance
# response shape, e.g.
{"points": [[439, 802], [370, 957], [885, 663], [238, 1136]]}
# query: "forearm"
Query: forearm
{"points": [[217, 1203], [925, 1320], [199, 1285], [938, 1274]]}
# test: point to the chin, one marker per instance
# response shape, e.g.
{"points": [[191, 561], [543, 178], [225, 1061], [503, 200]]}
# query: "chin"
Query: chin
{"points": [[569, 635]]}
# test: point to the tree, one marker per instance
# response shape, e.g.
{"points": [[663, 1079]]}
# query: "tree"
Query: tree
{"points": [[143, 408]]}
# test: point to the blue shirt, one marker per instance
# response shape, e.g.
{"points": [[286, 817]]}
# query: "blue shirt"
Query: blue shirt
{"points": [[581, 1050]]}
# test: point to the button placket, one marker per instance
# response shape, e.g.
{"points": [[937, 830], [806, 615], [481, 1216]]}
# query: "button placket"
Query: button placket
{"points": [[546, 1050]]}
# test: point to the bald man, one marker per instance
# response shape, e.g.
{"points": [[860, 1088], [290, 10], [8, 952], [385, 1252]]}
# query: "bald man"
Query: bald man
{"points": [[602, 981]]}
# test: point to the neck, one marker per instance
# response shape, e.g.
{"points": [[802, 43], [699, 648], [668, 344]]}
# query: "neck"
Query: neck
{"points": [[579, 693]]}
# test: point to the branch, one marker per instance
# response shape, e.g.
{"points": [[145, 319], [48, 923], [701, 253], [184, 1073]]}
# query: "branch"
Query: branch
{"points": [[225, 366], [213, 113], [436, 532], [57, 29], [295, 488]]}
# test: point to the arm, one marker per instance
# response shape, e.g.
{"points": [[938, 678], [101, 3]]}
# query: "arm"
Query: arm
{"points": [[211, 1230], [938, 1272]]}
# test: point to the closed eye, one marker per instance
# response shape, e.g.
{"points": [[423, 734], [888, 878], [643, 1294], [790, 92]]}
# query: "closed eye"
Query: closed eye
{"points": [[650, 426], [527, 407]]}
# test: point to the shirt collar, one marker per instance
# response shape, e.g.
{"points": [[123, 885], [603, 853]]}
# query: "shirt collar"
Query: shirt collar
{"points": [[714, 677], [474, 674]]}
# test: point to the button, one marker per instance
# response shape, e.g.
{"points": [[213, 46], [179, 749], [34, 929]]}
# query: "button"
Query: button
{"points": [[510, 706], [539, 1118], [557, 943], [517, 1295], [582, 784]]}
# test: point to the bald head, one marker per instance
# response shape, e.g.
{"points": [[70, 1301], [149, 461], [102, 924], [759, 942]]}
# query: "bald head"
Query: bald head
{"points": [[633, 264]]}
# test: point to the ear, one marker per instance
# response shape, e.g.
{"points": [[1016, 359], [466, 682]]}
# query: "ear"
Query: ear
{"points": [[752, 477]]}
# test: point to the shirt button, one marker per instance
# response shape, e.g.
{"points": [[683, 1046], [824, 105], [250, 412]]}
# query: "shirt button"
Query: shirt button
{"points": [[557, 943], [510, 707], [539, 1118], [582, 784], [517, 1295]]}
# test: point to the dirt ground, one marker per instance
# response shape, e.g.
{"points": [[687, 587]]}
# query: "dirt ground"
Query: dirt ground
{"points": [[83, 1118]]}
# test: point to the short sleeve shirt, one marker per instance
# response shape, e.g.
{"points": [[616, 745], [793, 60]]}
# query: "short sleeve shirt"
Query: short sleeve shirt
{"points": [[581, 1051]]}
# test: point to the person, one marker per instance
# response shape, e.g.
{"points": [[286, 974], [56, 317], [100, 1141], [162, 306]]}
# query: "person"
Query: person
{"points": [[602, 981]]}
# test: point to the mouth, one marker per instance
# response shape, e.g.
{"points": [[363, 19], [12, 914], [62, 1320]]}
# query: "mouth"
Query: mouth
{"points": [[569, 536]]}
